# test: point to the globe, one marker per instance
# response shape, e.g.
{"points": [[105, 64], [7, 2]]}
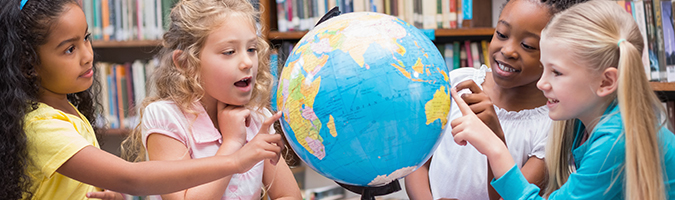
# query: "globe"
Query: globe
{"points": [[365, 98]]}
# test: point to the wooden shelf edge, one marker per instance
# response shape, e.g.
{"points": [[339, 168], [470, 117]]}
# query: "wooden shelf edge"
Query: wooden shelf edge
{"points": [[130, 43], [663, 87], [291, 35], [460, 32]]}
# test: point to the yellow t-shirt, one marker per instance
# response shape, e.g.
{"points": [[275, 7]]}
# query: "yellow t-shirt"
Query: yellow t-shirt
{"points": [[53, 138]]}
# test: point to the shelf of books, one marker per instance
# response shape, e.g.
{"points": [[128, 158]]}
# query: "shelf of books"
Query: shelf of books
{"points": [[125, 44], [458, 32]]}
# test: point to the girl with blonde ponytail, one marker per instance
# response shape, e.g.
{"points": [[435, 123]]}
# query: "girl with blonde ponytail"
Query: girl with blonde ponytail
{"points": [[609, 138]]}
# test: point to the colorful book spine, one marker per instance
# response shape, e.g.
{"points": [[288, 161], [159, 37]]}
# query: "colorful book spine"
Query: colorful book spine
{"points": [[486, 56], [469, 55]]}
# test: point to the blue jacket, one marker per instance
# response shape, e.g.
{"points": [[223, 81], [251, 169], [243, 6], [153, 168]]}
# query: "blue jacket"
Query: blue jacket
{"points": [[599, 165]]}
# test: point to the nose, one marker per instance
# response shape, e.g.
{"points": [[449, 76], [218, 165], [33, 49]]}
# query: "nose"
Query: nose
{"points": [[87, 55], [246, 61], [509, 50], [543, 84]]}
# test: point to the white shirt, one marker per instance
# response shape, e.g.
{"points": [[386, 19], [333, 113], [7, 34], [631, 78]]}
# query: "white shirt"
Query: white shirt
{"points": [[203, 140], [461, 171]]}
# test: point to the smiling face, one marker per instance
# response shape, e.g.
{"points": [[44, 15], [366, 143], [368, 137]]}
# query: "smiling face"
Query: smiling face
{"points": [[229, 62], [570, 87], [66, 58], [514, 48]]}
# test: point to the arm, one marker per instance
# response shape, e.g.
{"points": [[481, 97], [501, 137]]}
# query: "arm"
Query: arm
{"points": [[469, 128], [482, 106], [534, 171], [161, 177], [417, 183], [280, 181], [162, 147]]}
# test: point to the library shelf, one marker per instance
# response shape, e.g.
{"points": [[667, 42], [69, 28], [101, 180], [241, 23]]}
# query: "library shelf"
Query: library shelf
{"points": [[125, 44], [663, 86], [460, 32]]}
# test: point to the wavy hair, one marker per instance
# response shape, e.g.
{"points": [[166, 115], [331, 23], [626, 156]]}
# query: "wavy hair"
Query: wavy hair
{"points": [[592, 30], [191, 23], [24, 31]]}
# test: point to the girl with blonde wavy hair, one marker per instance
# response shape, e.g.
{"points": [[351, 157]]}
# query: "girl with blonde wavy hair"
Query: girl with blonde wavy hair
{"points": [[210, 98], [609, 138]]}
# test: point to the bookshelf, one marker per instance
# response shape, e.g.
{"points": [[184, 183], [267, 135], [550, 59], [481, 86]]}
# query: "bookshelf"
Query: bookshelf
{"points": [[440, 33], [126, 51]]}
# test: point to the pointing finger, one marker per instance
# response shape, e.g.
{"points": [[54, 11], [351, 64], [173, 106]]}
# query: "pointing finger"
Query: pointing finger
{"points": [[463, 107], [269, 121]]}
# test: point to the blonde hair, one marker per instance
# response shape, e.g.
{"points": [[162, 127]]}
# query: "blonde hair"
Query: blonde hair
{"points": [[191, 23], [600, 34]]}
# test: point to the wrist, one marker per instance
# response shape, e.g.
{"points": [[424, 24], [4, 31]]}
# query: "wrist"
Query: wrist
{"points": [[499, 159], [230, 146]]}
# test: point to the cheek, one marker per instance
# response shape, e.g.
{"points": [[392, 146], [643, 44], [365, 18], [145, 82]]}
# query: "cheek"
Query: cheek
{"points": [[494, 47]]}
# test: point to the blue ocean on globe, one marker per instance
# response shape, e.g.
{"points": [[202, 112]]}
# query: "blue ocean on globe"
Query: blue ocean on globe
{"points": [[365, 98]]}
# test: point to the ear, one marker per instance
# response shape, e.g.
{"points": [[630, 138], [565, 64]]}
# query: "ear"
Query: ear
{"points": [[176, 60], [609, 81]]}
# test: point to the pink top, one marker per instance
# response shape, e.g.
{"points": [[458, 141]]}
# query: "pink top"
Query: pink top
{"points": [[203, 140]]}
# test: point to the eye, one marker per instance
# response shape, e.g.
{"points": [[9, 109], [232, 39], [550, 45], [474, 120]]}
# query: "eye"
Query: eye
{"points": [[70, 49], [252, 50], [528, 46], [227, 53], [500, 35], [87, 37], [556, 72]]}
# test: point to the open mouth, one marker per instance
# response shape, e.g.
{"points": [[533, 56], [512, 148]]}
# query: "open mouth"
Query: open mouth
{"points": [[243, 82], [553, 101], [506, 67]]}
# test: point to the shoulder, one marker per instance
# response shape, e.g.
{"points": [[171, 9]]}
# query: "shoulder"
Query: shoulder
{"points": [[610, 126], [161, 109], [44, 112]]}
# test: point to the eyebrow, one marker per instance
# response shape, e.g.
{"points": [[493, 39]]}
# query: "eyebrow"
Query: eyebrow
{"points": [[527, 33], [72, 39], [235, 41]]}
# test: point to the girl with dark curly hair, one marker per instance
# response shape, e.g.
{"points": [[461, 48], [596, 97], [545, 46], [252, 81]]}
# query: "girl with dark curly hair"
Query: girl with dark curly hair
{"points": [[48, 147]]}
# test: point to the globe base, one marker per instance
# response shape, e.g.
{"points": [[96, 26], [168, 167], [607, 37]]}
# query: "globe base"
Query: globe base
{"points": [[369, 193]]}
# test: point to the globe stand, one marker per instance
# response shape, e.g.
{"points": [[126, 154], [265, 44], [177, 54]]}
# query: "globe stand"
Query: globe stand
{"points": [[369, 193]]}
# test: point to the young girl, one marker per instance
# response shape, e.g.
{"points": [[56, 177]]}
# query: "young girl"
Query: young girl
{"points": [[506, 98], [611, 142], [212, 90], [49, 150]]}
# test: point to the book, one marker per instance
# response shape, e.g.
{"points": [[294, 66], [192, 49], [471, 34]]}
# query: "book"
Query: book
{"points": [[456, 57], [452, 16], [475, 55], [448, 56], [651, 47], [660, 46], [668, 39], [639, 15], [486, 56], [469, 56], [429, 14]]}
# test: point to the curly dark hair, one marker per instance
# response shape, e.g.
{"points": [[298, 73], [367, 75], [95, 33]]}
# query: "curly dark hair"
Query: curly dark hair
{"points": [[555, 6], [24, 30]]}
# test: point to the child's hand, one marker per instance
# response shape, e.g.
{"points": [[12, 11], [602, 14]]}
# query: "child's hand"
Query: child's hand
{"points": [[469, 128], [106, 195], [232, 122], [262, 146], [481, 105]]}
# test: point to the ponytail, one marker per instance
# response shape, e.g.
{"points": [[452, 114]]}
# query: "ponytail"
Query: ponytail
{"points": [[637, 103]]}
